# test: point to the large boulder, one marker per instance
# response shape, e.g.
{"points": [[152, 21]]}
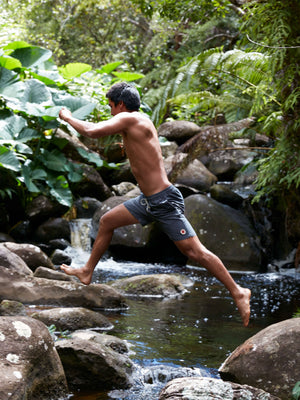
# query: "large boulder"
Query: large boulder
{"points": [[32, 255], [90, 361], [162, 285], [30, 367], [225, 164], [31, 290], [211, 389], [73, 318], [225, 231], [14, 262], [132, 235], [195, 175], [269, 360], [53, 228], [179, 131]]}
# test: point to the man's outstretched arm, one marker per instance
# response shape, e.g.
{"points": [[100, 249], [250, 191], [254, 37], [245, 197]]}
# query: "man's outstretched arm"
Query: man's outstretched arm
{"points": [[94, 130]]}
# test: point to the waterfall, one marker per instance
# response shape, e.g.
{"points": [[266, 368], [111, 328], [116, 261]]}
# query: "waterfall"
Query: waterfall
{"points": [[80, 233]]}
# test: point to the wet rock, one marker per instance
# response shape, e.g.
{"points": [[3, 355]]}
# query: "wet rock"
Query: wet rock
{"points": [[196, 175], [54, 228], [32, 255], [30, 367], [225, 231], [268, 360], [42, 208], [91, 185], [73, 318], [10, 308], [168, 148], [59, 257], [225, 195], [211, 389], [13, 261], [161, 285], [42, 272], [86, 207], [225, 164], [123, 188], [131, 236], [90, 363], [40, 291], [178, 131], [118, 345]]}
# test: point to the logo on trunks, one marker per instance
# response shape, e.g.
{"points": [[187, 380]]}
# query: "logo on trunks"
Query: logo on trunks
{"points": [[183, 231]]}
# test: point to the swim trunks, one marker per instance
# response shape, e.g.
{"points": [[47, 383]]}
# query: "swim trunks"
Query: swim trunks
{"points": [[166, 208]]}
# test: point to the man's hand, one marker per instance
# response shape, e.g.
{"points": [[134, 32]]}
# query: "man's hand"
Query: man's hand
{"points": [[64, 114]]}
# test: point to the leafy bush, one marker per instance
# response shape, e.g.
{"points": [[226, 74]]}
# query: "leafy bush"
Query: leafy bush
{"points": [[32, 92]]}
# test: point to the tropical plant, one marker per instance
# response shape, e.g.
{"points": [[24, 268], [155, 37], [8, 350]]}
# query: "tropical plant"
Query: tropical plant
{"points": [[280, 170], [236, 83], [32, 92]]}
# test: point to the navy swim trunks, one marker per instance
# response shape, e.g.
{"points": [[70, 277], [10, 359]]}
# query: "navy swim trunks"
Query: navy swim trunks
{"points": [[166, 208]]}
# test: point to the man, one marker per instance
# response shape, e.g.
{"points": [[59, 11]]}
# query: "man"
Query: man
{"points": [[160, 200]]}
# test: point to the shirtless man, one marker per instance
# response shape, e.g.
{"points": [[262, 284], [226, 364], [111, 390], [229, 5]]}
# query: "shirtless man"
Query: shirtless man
{"points": [[160, 200]]}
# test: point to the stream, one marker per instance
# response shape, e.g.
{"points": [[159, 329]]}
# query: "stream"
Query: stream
{"points": [[189, 336]]}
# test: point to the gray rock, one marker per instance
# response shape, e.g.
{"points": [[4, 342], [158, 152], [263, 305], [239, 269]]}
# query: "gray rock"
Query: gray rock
{"points": [[30, 367], [32, 255], [269, 360], [179, 131], [59, 257], [73, 318], [12, 261], [225, 231], [10, 308], [195, 175], [31, 290], [210, 389], [92, 364], [161, 285], [54, 228], [42, 272]]}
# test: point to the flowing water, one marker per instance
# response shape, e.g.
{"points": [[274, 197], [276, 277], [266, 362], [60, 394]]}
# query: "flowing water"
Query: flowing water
{"points": [[189, 336]]}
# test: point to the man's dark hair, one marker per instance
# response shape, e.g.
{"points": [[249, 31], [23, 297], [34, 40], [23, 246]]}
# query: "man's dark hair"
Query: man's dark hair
{"points": [[122, 91]]}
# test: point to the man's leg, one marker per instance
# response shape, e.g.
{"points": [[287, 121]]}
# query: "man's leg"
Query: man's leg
{"points": [[115, 218], [194, 249]]}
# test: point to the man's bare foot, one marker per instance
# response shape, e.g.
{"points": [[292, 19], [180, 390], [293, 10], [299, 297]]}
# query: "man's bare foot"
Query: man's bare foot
{"points": [[243, 304], [82, 274]]}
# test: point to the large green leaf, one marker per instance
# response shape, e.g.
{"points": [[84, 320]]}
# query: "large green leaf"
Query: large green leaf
{"points": [[32, 56], [31, 91], [60, 190], [53, 160], [30, 174], [9, 159], [108, 68], [128, 76], [79, 106], [7, 78], [9, 62], [11, 126], [74, 70]]}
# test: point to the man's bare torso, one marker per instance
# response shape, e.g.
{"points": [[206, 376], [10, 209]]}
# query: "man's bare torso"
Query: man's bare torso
{"points": [[144, 153]]}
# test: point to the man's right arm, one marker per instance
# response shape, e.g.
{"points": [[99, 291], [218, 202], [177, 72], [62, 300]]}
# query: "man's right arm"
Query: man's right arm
{"points": [[94, 130]]}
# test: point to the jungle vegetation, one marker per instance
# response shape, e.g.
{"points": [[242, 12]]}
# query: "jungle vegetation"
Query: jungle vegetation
{"points": [[193, 59]]}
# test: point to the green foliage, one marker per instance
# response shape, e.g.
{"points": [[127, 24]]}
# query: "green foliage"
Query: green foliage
{"points": [[236, 83], [279, 171], [32, 92], [296, 391], [185, 9]]}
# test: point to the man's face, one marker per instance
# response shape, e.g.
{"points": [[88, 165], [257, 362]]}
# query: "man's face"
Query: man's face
{"points": [[114, 109]]}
